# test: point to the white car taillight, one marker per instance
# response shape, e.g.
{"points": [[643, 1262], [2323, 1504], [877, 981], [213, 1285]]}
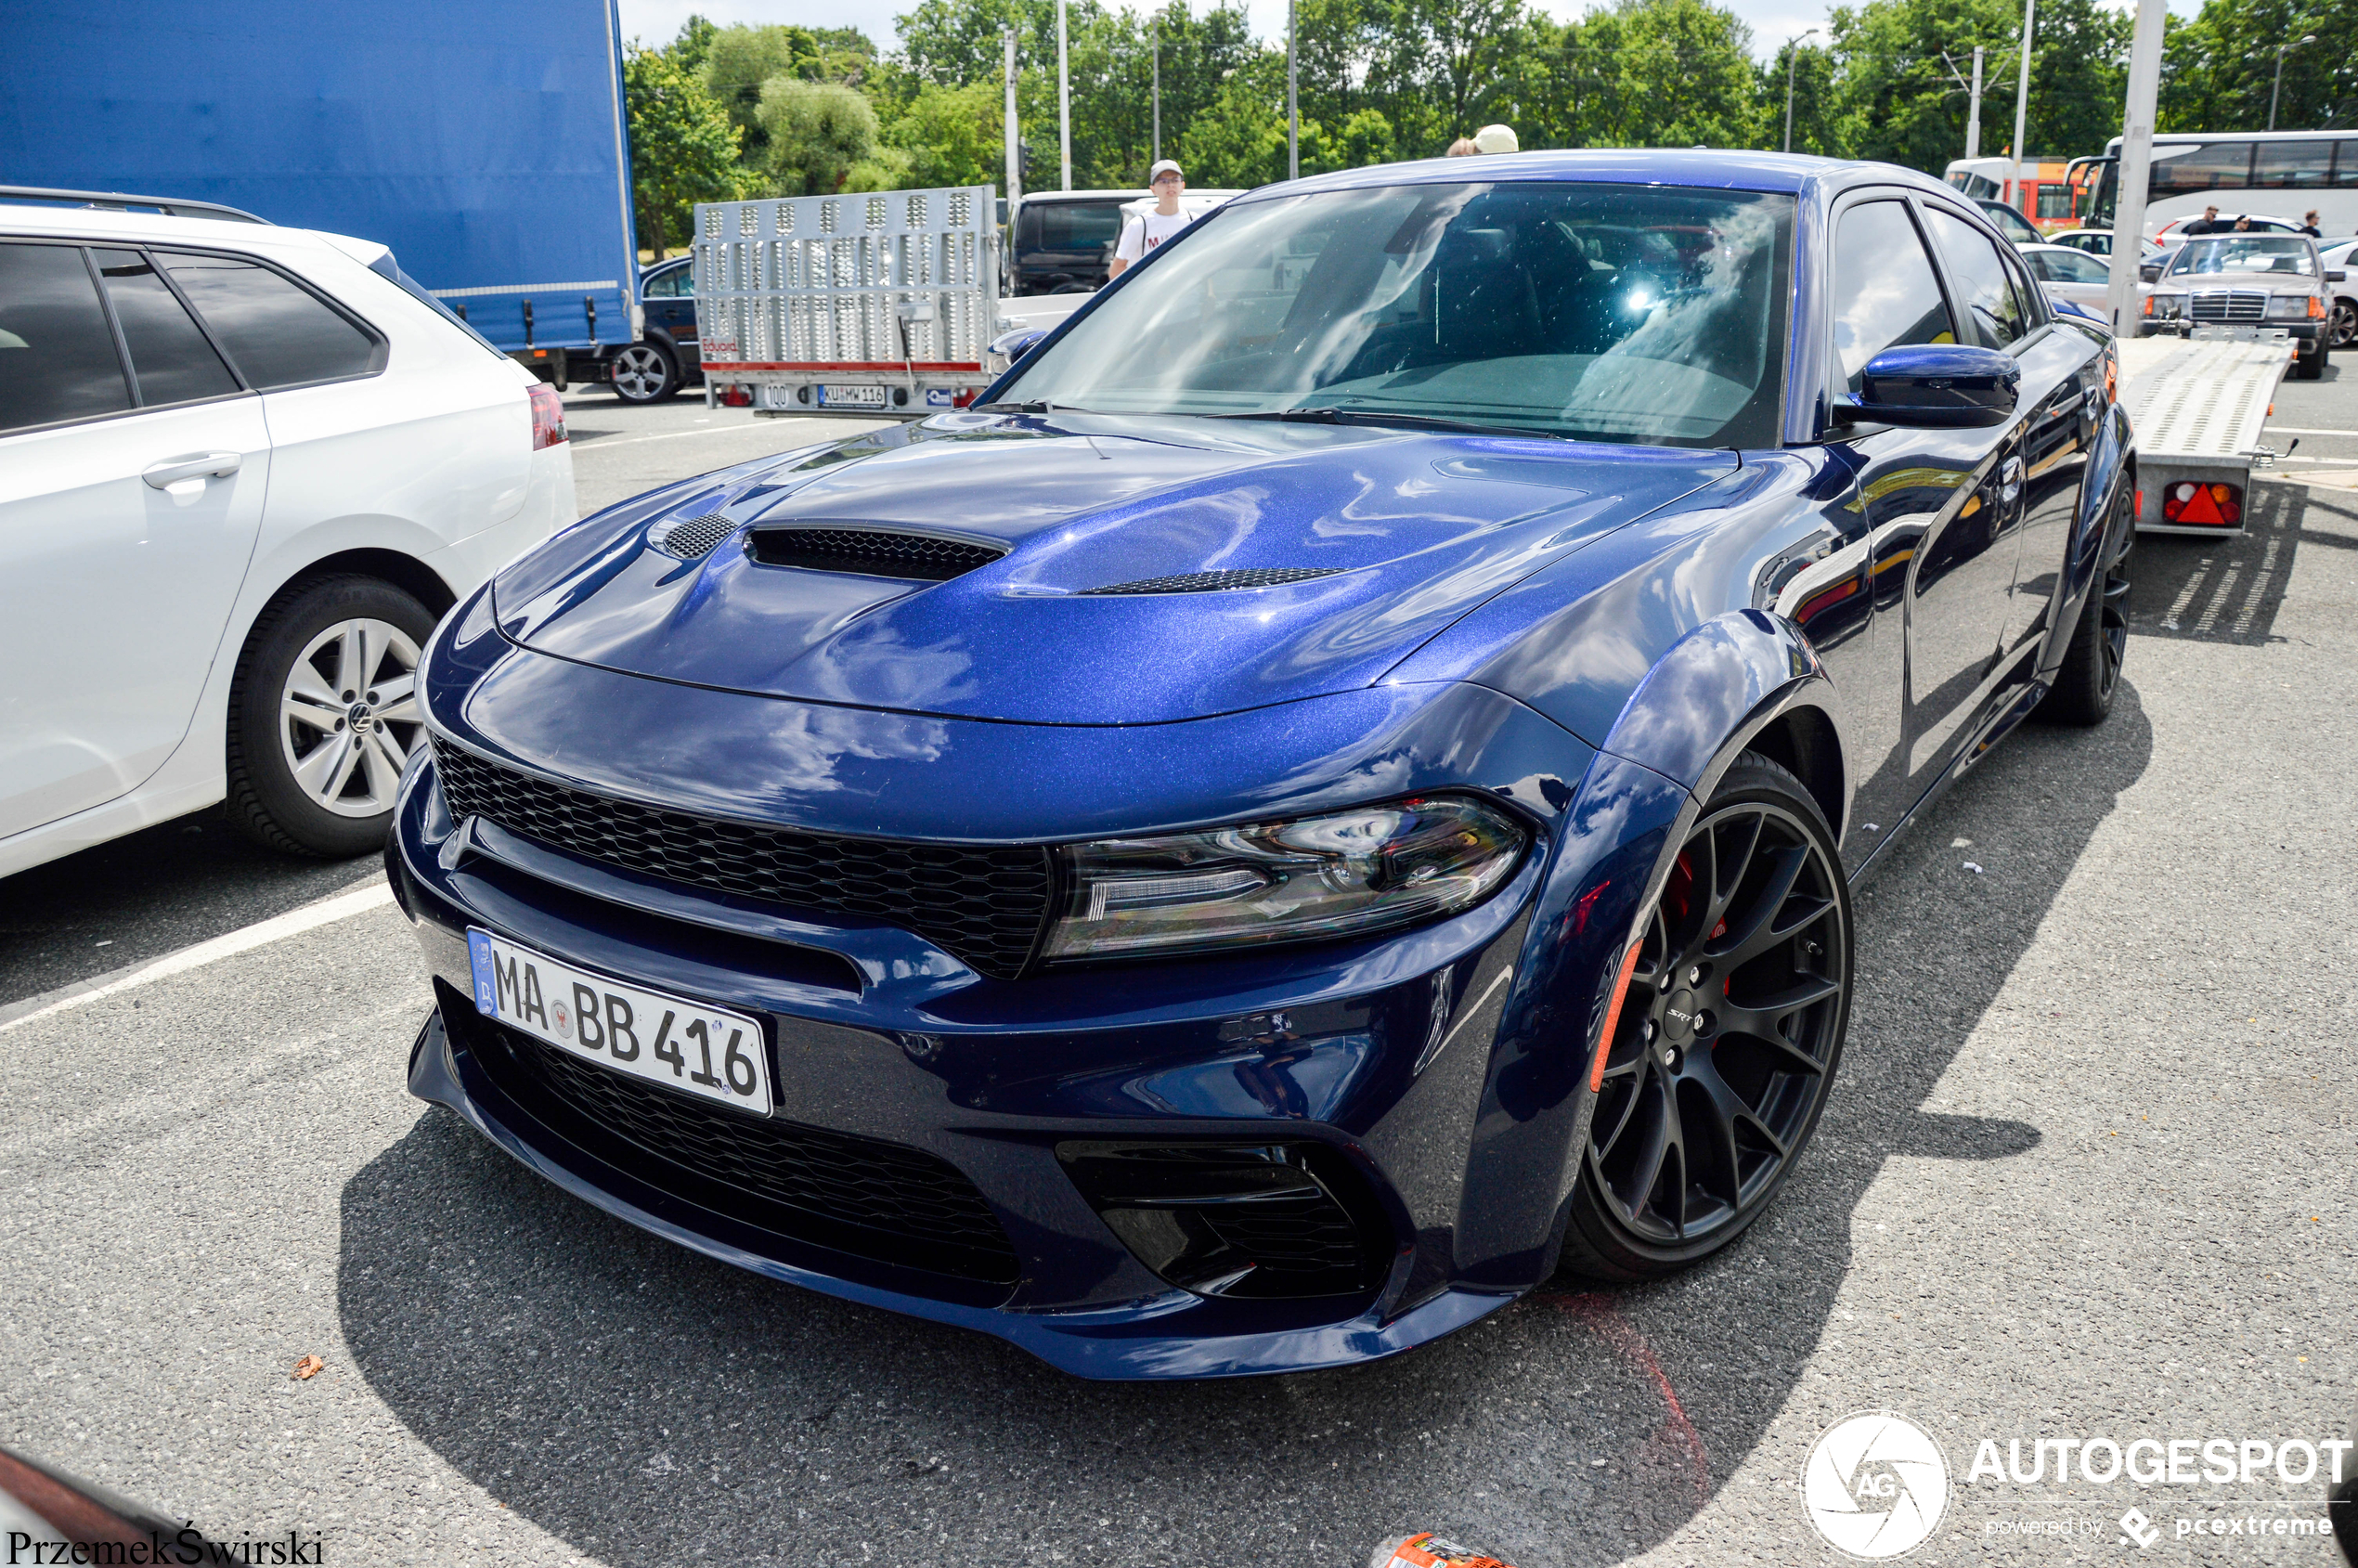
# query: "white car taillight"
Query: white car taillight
{"points": [[548, 416]]}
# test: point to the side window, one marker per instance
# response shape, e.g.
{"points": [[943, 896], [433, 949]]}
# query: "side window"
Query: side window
{"points": [[169, 354], [664, 285], [684, 281], [278, 334], [2040, 267], [1886, 291], [57, 354], [1984, 288]]}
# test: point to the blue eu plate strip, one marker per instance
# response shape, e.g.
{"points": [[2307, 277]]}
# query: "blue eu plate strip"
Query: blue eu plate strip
{"points": [[479, 958]]}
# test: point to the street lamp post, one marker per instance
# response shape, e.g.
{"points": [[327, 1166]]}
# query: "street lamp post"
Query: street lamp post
{"points": [[1793, 57], [2279, 87], [1973, 110], [1158, 157], [1064, 101], [2021, 103], [1293, 106]]}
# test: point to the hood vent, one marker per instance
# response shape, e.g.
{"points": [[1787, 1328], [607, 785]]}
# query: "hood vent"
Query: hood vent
{"points": [[1220, 582], [871, 552], [690, 538]]}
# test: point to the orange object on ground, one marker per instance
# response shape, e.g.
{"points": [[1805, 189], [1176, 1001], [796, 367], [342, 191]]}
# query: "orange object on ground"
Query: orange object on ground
{"points": [[1426, 1549]]}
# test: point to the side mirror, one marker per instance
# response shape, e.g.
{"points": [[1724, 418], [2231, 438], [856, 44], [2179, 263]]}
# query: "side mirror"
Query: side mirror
{"points": [[2334, 275], [1934, 386], [2149, 271], [1009, 347]]}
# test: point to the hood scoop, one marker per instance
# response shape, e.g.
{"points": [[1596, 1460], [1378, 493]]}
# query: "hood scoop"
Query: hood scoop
{"points": [[690, 538], [871, 552], [1220, 582]]}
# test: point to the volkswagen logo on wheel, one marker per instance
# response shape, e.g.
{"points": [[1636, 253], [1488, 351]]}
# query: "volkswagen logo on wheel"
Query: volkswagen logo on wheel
{"points": [[1876, 1485]]}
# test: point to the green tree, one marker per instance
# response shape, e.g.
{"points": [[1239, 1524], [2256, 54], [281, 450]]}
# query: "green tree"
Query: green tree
{"points": [[1819, 122], [740, 61], [683, 149], [2219, 67], [952, 136], [1645, 73], [817, 132]]}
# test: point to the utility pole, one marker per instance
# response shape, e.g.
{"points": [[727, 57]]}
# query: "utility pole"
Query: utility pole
{"points": [[1064, 100], [1973, 110], [2279, 87], [1157, 35], [1015, 143], [2136, 163], [1793, 57], [2022, 103], [1293, 106]]}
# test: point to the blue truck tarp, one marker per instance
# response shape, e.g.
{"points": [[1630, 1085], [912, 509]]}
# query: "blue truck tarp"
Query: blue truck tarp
{"points": [[484, 142]]}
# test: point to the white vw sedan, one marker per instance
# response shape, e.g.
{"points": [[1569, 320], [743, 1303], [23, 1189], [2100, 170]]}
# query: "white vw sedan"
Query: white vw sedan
{"points": [[242, 471]]}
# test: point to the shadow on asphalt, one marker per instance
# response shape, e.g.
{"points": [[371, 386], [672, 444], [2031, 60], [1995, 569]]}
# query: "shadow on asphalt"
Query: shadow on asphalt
{"points": [[147, 894], [646, 1406], [2227, 590]]}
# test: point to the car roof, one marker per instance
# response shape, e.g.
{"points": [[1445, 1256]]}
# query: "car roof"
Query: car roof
{"points": [[160, 228], [1713, 169]]}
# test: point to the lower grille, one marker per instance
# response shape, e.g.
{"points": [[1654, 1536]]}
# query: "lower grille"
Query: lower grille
{"points": [[855, 1195], [2229, 304], [985, 905], [1267, 1221]]}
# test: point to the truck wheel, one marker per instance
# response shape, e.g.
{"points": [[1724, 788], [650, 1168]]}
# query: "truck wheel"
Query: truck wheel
{"points": [[323, 715], [2090, 674], [645, 373]]}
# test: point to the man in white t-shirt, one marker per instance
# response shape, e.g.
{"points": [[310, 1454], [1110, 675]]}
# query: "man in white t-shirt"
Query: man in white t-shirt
{"points": [[1145, 233]]}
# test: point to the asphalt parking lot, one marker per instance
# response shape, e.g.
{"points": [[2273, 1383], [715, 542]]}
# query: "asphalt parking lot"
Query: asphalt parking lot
{"points": [[2088, 1172]]}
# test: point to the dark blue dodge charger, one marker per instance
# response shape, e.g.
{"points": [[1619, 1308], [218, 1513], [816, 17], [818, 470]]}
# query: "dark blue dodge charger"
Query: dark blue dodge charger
{"points": [[1330, 797]]}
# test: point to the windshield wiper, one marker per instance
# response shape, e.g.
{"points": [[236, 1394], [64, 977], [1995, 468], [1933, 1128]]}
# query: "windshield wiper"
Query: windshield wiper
{"points": [[1329, 415], [1038, 407]]}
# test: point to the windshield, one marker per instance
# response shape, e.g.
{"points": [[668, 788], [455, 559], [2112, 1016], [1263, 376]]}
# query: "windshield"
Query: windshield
{"points": [[2239, 253], [1615, 313], [1070, 226]]}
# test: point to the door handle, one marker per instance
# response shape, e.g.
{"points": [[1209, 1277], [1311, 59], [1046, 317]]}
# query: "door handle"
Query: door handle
{"points": [[198, 465]]}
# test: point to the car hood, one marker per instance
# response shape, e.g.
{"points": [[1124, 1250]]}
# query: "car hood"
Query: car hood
{"points": [[1410, 530]]}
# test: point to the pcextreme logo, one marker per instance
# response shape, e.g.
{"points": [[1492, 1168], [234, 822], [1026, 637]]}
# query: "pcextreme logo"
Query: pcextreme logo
{"points": [[1876, 1485]]}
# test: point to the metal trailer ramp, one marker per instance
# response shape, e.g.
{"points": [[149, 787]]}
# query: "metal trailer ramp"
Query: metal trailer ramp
{"points": [[2198, 406], [871, 304]]}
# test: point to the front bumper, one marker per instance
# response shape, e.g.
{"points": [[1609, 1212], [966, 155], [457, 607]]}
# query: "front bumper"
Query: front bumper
{"points": [[1432, 1074]]}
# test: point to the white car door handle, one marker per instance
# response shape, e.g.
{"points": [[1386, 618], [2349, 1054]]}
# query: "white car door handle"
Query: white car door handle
{"points": [[200, 465]]}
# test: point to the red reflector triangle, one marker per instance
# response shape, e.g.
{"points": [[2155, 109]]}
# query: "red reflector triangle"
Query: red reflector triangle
{"points": [[2202, 509]]}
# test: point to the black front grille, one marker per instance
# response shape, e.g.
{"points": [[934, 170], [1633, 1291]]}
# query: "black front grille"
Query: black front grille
{"points": [[1220, 582], [856, 1195], [987, 906], [2229, 304], [873, 552]]}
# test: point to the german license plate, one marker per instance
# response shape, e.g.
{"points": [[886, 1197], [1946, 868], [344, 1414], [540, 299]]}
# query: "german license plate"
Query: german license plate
{"points": [[834, 395], [692, 1045]]}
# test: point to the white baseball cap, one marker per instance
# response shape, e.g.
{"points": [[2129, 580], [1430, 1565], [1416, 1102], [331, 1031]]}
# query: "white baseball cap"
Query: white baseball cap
{"points": [[1497, 139], [1159, 168]]}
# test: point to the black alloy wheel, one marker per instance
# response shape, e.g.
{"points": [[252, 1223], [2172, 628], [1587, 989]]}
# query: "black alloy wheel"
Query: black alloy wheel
{"points": [[2344, 329], [2089, 674], [1727, 1039]]}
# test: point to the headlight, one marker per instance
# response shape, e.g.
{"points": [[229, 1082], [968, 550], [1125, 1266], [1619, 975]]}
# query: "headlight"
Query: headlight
{"points": [[2287, 308], [2169, 307], [1345, 874]]}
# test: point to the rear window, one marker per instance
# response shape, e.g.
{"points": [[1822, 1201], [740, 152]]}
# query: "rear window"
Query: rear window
{"points": [[1071, 225], [57, 357], [169, 354], [280, 333]]}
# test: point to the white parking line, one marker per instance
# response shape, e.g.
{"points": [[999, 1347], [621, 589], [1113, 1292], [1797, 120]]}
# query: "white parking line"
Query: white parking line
{"points": [[2310, 430], [261, 934]]}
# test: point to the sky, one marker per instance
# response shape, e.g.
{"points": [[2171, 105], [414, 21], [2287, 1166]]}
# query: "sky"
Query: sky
{"points": [[655, 21]]}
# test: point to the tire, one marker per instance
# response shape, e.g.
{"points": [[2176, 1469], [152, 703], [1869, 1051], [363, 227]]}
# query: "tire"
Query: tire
{"points": [[2344, 327], [1776, 954], [328, 656], [644, 372], [2091, 672]]}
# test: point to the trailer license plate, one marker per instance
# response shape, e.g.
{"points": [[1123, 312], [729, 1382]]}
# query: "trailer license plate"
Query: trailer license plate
{"points": [[832, 396], [705, 1050]]}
